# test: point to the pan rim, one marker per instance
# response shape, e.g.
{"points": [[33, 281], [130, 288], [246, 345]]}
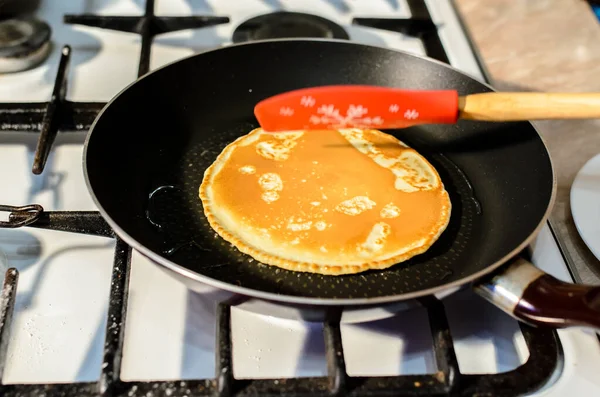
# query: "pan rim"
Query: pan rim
{"points": [[295, 299]]}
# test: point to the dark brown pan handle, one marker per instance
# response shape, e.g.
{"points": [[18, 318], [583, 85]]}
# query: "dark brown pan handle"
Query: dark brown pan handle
{"points": [[528, 294]]}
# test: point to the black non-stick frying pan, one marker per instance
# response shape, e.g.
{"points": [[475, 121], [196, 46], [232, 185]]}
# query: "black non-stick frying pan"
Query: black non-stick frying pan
{"points": [[148, 149]]}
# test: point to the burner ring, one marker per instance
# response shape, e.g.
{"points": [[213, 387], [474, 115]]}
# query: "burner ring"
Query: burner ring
{"points": [[284, 24], [24, 43]]}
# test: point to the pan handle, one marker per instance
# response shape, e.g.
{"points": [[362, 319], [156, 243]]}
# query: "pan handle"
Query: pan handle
{"points": [[532, 296]]}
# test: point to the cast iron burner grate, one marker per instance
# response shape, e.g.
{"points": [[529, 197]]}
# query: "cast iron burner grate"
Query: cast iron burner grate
{"points": [[448, 381], [61, 115]]}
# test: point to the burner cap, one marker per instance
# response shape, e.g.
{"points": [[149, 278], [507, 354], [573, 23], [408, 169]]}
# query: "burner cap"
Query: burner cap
{"points": [[287, 25], [24, 43]]}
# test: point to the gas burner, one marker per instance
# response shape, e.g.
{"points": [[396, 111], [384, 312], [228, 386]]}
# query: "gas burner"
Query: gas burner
{"points": [[24, 43], [286, 25]]}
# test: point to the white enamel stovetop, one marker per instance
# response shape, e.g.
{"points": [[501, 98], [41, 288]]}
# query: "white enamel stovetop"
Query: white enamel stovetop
{"points": [[60, 317]]}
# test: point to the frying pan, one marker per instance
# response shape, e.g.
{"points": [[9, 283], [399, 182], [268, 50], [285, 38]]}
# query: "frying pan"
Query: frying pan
{"points": [[146, 153]]}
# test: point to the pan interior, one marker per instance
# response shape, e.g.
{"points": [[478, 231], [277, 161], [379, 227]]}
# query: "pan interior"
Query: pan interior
{"points": [[148, 151], [191, 241]]}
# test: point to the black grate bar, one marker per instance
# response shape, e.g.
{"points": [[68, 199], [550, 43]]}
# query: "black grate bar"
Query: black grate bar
{"points": [[127, 24], [431, 38], [400, 386], [147, 34], [79, 116], [434, 48], [424, 29], [51, 390], [147, 38], [408, 26], [545, 350], [132, 24], [117, 312], [149, 8], [420, 25], [7, 306], [336, 365], [53, 113], [82, 222], [445, 356], [22, 117], [28, 117], [418, 9], [292, 387], [223, 356], [173, 24], [191, 388]]}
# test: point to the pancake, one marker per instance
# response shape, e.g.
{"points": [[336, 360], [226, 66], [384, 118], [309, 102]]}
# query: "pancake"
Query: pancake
{"points": [[330, 202]]}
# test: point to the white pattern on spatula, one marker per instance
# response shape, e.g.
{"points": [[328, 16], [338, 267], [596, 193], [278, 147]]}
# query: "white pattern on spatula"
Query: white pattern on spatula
{"points": [[286, 111], [354, 116], [307, 101], [411, 114]]}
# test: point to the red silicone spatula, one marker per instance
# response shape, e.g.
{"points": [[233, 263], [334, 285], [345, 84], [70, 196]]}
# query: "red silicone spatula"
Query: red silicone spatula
{"points": [[358, 106]]}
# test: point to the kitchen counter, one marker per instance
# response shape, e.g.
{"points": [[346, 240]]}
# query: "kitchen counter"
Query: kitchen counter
{"points": [[547, 45]]}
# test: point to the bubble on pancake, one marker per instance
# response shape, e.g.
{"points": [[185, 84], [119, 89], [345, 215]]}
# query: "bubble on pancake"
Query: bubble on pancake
{"points": [[411, 172], [271, 184], [278, 149], [270, 196], [320, 225], [355, 206], [273, 150], [315, 203], [375, 240], [298, 227], [247, 169], [270, 181], [389, 211]]}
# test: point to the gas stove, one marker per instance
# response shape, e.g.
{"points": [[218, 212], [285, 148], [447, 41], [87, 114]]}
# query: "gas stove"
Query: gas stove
{"points": [[91, 317]]}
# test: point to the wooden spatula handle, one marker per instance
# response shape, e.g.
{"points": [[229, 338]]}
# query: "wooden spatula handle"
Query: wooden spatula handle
{"points": [[516, 106]]}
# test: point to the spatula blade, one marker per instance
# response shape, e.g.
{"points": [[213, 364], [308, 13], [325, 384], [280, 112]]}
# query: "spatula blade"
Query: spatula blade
{"points": [[355, 106]]}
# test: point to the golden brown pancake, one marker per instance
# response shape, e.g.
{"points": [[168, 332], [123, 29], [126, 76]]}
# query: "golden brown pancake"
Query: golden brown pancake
{"points": [[328, 202]]}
